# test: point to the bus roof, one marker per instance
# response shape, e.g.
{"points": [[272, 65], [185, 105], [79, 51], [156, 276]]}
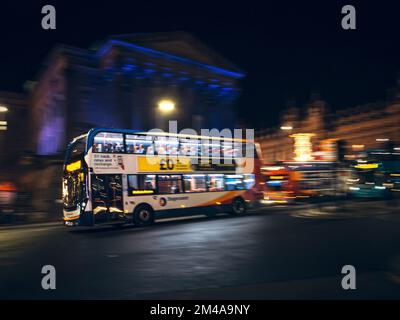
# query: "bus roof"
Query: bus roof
{"points": [[92, 132]]}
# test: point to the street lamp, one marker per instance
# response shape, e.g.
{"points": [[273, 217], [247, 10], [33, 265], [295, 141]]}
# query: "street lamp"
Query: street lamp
{"points": [[3, 109], [166, 106], [286, 128]]}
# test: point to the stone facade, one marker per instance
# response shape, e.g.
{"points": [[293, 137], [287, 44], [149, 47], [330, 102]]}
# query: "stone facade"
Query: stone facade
{"points": [[118, 84], [363, 127]]}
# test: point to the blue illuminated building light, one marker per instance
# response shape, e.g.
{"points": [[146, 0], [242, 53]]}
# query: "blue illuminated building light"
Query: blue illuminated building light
{"points": [[169, 56], [128, 67], [149, 70]]}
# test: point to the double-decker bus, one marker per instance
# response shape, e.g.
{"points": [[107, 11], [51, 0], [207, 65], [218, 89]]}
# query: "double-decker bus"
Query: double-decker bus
{"points": [[120, 176]]}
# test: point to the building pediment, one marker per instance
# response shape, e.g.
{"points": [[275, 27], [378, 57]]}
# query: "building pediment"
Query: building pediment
{"points": [[178, 46]]}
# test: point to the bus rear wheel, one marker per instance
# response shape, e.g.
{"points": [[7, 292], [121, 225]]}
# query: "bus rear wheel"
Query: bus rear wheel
{"points": [[143, 215], [238, 207]]}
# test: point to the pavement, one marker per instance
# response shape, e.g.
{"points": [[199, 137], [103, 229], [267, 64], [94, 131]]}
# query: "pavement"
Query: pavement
{"points": [[349, 209], [272, 253]]}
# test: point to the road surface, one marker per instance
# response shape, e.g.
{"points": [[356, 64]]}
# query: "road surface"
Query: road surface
{"points": [[283, 253]]}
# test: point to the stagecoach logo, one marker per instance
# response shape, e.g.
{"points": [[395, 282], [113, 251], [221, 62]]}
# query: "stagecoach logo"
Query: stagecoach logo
{"points": [[163, 202], [177, 198]]}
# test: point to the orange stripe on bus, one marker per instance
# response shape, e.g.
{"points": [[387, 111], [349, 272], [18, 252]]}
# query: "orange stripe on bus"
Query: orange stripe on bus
{"points": [[230, 195], [71, 218]]}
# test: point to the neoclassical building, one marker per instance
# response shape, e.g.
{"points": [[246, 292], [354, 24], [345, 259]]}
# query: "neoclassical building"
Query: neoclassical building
{"points": [[118, 83], [363, 127]]}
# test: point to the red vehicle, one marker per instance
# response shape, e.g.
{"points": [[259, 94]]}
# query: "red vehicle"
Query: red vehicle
{"points": [[279, 187], [286, 182], [8, 194]]}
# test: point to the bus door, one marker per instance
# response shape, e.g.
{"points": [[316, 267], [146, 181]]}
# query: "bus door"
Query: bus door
{"points": [[107, 197]]}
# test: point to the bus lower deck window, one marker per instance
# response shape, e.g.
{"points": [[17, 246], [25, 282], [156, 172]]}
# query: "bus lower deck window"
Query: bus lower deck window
{"points": [[234, 182], [195, 182], [215, 182], [141, 184], [169, 184]]}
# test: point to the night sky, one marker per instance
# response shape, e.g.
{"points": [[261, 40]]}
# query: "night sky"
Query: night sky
{"points": [[287, 48]]}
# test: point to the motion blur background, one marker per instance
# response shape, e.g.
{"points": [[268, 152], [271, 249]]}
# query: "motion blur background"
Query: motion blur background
{"points": [[314, 92]]}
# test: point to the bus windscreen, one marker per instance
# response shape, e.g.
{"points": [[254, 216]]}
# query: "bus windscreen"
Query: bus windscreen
{"points": [[76, 149]]}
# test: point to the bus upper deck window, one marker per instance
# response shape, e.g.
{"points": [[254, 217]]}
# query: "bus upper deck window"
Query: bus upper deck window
{"points": [[138, 144], [166, 146], [238, 150], [227, 149], [188, 147], [248, 150], [108, 142], [215, 149]]}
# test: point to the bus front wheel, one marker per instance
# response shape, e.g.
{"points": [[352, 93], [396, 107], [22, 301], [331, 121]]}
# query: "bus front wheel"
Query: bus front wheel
{"points": [[238, 206], [143, 215]]}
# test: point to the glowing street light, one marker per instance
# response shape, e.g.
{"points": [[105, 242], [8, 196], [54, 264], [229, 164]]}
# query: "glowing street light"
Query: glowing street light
{"points": [[3, 109], [286, 128], [166, 106]]}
